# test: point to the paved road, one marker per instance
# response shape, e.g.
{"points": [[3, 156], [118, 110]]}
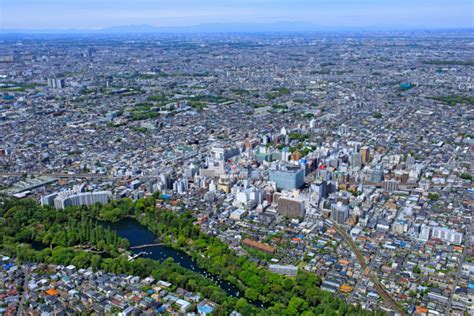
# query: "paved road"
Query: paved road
{"points": [[56, 175], [377, 285], [24, 294], [458, 272]]}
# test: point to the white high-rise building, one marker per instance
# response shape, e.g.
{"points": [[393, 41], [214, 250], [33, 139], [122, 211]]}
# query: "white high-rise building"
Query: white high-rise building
{"points": [[424, 233], [56, 83], [356, 160], [448, 235], [75, 198], [339, 212]]}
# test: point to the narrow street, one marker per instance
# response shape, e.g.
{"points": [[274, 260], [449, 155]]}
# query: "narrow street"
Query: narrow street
{"points": [[458, 272], [24, 293]]}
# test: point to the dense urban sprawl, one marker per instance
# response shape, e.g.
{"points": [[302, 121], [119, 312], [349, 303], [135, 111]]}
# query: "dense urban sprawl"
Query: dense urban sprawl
{"points": [[346, 156]]}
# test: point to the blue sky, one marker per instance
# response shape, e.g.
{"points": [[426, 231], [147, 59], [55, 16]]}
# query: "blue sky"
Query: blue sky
{"points": [[59, 14]]}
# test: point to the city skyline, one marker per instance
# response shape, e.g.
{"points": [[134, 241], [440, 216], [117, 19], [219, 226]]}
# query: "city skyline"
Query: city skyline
{"points": [[252, 157]]}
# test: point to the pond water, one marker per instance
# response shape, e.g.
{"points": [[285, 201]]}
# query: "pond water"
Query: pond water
{"points": [[138, 234]]}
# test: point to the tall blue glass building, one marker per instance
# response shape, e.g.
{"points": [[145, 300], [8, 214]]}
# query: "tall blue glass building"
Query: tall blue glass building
{"points": [[287, 179]]}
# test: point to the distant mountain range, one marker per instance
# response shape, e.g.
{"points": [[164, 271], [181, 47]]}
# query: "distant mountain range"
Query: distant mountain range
{"points": [[277, 27], [222, 28]]}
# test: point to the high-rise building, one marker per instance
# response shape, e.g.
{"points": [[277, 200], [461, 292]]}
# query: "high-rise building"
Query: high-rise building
{"points": [[73, 198], [181, 185], [339, 212], [390, 185], [51, 83], [56, 83], [356, 160], [248, 198], [365, 153], [221, 153], [357, 146], [320, 190], [376, 174], [60, 83], [288, 206], [410, 161], [191, 171], [48, 199], [287, 179], [446, 234], [424, 233]]}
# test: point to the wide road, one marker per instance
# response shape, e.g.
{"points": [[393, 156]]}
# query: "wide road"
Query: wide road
{"points": [[57, 175], [368, 272]]}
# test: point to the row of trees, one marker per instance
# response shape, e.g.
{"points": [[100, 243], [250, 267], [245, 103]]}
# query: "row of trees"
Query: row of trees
{"points": [[25, 221]]}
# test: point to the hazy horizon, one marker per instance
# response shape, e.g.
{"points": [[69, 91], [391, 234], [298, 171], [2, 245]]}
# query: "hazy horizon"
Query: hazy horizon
{"points": [[92, 14]]}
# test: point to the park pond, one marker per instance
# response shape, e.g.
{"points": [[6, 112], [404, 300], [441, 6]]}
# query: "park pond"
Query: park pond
{"points": [[138, 235]]}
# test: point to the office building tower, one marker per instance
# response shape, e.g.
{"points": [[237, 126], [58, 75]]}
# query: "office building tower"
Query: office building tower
{"points": [[390, 185], [289, 206], [357, 146], [90, 52], [287, 179], [410, 161], [424, 233], [180, 186], [365, 153], [56, 83], [221, 153], [191, 171], [320, 190], [248, 198], [51, 83], [356, 160], [376, 175], [165, 179], [339, 213]]}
